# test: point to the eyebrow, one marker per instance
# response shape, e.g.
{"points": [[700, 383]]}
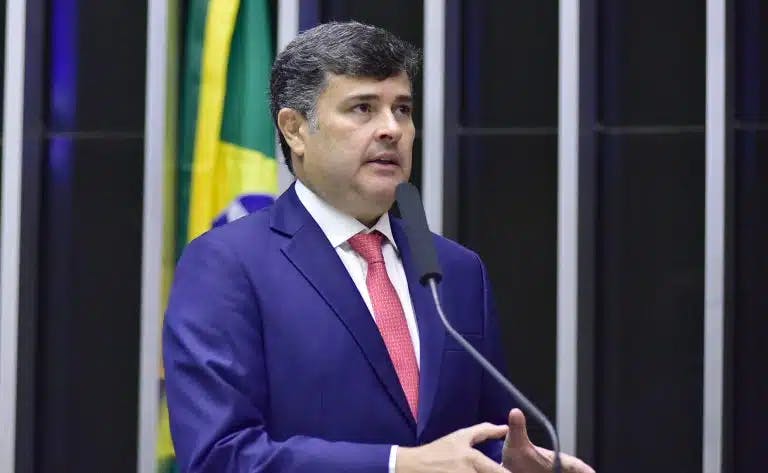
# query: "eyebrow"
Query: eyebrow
{"points": [[373, 97]]}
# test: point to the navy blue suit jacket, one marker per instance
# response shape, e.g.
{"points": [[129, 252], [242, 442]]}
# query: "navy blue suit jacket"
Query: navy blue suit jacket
{"points": [[274, 364]]}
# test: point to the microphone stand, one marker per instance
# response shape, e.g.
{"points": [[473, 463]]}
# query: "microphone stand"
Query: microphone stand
{"points": [[527, 405]]}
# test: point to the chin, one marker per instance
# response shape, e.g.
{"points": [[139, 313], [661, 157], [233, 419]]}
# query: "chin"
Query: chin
{"points": [[383, 194], [380, 189]]}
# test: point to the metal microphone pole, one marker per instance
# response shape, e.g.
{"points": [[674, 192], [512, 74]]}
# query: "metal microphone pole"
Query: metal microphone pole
{"points": [[527, 405]]}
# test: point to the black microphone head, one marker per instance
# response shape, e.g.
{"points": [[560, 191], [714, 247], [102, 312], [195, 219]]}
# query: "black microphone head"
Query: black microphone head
{"points": [[417, 232]]}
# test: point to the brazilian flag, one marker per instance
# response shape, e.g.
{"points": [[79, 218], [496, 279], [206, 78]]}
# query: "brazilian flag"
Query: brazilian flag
{"points": [[226, 165]]}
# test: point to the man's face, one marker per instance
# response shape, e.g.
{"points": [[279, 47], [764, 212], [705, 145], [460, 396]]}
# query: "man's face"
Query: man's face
{"points": [[361, 147]]}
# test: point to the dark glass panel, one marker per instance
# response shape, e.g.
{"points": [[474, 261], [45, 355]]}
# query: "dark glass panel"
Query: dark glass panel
{"points": [[750, 334], [649, 321], [88, 358], [508, 214], [2, 85], [510, 53], [404, 18], [652, 62], [97, 60], [2, 70], [751, 46]]}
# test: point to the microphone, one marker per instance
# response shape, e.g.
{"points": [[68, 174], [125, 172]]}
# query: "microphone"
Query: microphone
{"points": [[424, 254]]}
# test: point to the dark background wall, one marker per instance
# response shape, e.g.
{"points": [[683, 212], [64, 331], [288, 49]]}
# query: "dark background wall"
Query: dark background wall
{"points": [[649, 235], [501, 155], [79, 344], [2, 82], [746, 370]]}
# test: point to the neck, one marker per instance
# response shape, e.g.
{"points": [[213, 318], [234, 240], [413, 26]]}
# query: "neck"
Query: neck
{"points": [[368, 219], [368, 222]]}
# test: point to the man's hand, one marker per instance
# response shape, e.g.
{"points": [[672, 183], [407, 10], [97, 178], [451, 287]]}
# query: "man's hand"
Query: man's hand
{"points": [[521, 456], [452, 453]]}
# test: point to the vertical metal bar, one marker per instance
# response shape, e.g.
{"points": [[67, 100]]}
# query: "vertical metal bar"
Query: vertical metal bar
{"points": [[33, 147], [287, 29], [434, 117], [452, 105], [587, 231], [727, 461], [10, 239], [155, 136], [568, 231], [714, 265]]}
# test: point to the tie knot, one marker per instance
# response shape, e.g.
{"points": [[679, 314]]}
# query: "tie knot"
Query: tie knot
{"points": [[368, 245]]}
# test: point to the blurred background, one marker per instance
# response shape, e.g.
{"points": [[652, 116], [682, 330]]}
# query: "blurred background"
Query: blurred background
{"points": [[608, 159]]}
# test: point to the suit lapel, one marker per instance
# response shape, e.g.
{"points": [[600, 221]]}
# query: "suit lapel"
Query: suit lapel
{"points": [[431, 330], [311, 253]]}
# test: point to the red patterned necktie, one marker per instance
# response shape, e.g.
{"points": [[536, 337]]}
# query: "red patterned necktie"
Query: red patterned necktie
{"points": [[389, 315]]}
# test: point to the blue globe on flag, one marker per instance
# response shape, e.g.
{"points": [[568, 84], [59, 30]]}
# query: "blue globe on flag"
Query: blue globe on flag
{"points": [[243, 205]]}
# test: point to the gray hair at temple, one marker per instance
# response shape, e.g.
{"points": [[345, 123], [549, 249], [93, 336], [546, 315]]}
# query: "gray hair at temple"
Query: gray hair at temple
{"points": [[300, 71]]}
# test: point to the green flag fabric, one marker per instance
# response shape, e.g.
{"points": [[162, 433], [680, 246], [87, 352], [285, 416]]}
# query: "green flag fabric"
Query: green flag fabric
{"points": [[225, 166]]}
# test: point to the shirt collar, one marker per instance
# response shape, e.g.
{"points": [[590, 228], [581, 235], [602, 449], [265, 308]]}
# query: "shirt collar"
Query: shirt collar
{"points": [[337, 226]]}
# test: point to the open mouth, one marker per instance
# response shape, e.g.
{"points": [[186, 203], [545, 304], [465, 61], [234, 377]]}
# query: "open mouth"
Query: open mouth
{"points": [[386, 159]]}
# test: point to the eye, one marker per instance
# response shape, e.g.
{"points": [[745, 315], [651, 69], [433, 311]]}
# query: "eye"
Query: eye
{"points": [[362, 108], [404, 110]]}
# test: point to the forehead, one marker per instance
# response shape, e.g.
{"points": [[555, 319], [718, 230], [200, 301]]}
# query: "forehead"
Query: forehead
{"points": [[340, 87]]}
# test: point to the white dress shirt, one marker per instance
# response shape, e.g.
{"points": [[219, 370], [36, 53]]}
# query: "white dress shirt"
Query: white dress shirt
{"points": [[339, 228]]}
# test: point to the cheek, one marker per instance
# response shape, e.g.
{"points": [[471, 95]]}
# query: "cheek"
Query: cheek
{"points": [[347, 151], [340, 163], [328, 154], [406, 150]]}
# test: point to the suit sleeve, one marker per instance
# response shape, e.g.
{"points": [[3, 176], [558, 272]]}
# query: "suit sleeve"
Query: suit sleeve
{"points": [[495, 402], [216, 381]]}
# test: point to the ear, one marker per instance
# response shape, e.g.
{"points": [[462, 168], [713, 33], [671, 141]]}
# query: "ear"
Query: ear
{"points": [[290, 123]]}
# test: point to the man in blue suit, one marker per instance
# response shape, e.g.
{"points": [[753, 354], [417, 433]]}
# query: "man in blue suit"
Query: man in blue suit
{"points": [[298, 339]]}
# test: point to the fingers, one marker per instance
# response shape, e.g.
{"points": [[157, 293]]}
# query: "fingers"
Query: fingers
{"points": [[549, 455], [574, 465], [483, 464], [569, 463], [482, 432], [518, 433]]}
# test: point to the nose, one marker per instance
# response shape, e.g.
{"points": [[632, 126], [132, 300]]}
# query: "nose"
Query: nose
{"points": [[390, 129]]}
